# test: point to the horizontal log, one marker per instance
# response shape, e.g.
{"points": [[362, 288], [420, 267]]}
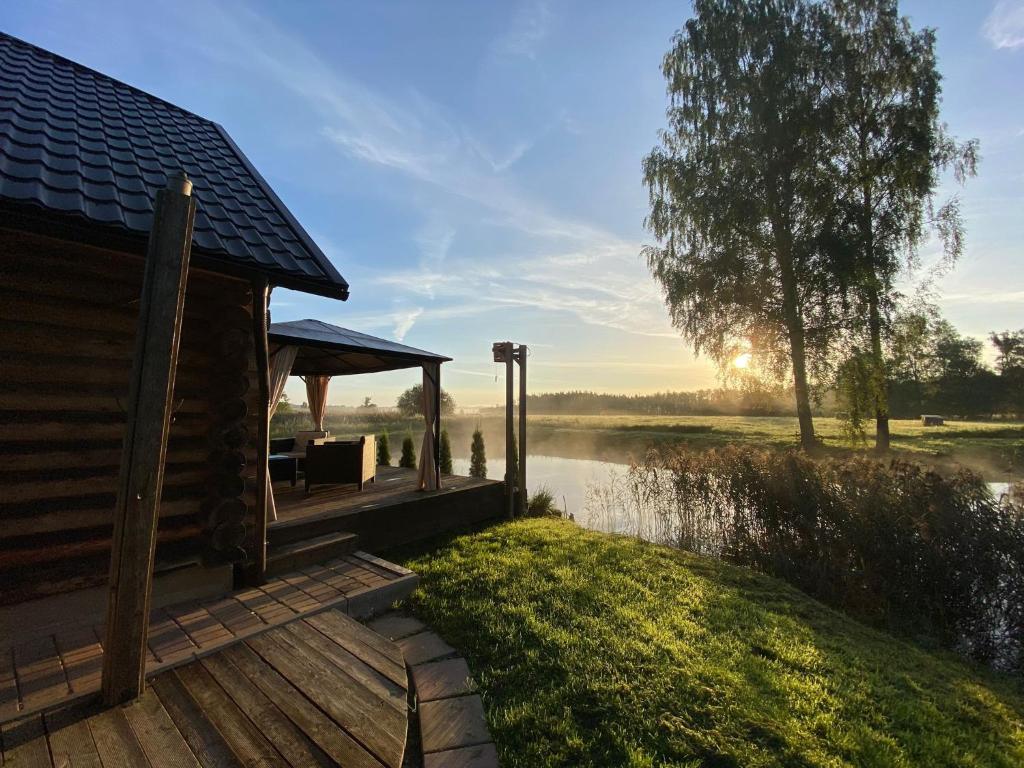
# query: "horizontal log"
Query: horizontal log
{"points": [[184, 424], [28, 398], [40, 520], [45, 579], [203, 297], [17, 306], [100, 545], [113, 374], [34, 254], [35, 342], [24, 487]]}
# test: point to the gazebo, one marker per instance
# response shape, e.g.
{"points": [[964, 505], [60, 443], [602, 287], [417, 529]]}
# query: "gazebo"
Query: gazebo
{"points": [[318, 351]]}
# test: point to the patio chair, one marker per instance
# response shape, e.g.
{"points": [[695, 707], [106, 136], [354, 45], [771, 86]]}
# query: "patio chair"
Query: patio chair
{"points": [[342, 461]]}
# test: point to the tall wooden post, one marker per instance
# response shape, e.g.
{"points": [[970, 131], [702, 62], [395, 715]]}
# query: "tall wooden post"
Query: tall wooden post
{"points": [[150, 394], [437, 430], [509, 434], [521, 357], [502, 351], [260, 301]]}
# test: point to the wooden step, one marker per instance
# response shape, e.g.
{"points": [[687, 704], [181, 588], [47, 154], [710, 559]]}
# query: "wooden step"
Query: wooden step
{"points": [[283, 558], [310, 526]]}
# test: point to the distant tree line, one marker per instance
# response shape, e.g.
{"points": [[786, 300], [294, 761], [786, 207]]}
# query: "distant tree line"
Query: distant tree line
{"points": [[702, 402], [932, 369]]}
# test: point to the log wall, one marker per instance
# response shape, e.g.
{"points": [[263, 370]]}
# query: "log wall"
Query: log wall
{"points": [[67, 325]]}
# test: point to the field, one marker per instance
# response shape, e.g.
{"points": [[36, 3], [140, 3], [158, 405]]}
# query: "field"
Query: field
{"points": [[599, 650], [996, 449]]}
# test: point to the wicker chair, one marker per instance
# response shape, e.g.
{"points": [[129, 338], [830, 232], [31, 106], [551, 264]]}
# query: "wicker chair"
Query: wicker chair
{"points": [[347, 461]]}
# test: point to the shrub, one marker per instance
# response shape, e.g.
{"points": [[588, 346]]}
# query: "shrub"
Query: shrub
{"points": [[383, 450], [408, 459], [446, 453], [542, 504], [894, 544], [477, 455]]}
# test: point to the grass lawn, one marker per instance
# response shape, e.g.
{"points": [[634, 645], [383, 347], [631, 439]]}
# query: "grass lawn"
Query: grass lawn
{"points": [[598, 650]]}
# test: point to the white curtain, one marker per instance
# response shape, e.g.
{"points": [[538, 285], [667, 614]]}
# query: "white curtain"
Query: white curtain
{"points": [[281, 361], [316, 396], [428, 461]]}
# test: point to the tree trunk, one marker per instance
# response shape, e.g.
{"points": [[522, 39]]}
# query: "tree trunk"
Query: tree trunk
{"points": [[881, 379], [795, 328]]}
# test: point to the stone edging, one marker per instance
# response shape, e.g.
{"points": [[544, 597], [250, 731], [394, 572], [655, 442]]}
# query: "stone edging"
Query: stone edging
{"points": [[453, 730]]}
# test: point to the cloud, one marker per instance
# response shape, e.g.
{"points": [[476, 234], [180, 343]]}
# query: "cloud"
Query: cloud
{"points": [[984, 297], [538, 258], [404, 322], [1004, 26], [530, 26]]}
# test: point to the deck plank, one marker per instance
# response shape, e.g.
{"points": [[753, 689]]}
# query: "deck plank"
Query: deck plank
{"points": [[205, 741], [338, 695], [82, 656], [71, 742], [238, 618], [157, 734], [167, 640], [9, 700], [288, 595], [290, 741], [335, 742], [24, 744], [244, 738], [331, 578], [41, 677], [376, 683], [202, 628], [375, 651], [317, 590], [264, 606], [115, 741]]}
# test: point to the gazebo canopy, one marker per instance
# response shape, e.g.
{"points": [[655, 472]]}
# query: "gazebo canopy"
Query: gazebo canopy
{"points": [[329, 350]]}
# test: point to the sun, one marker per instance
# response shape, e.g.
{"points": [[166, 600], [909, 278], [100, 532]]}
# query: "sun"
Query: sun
{"points": [[742, 361]]}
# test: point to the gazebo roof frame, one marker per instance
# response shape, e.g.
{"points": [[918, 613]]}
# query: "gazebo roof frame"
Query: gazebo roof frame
{"points": [[326, 349]]}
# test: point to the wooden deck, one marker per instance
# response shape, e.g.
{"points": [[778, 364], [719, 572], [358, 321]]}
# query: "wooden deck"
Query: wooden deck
{"points": [[323, 690], [386, 513], [64, 663], [394, 485]]}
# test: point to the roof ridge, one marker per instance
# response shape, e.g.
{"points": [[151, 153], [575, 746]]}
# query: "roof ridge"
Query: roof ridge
{"points": [[95, 72]]}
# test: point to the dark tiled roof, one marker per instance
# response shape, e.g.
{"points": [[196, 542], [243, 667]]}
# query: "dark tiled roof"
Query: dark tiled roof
{"points": [[335, 351], [76, 143]]}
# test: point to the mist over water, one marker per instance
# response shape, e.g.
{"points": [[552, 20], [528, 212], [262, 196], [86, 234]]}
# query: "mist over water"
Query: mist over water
{"points": [[570, 481]]}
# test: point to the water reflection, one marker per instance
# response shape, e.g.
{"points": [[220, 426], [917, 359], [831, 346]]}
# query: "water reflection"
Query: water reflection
{"points": [[590, 490], [568, 480]]}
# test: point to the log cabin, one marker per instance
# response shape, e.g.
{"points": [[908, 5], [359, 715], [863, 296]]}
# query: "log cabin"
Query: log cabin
{"points": [[81, 158]]}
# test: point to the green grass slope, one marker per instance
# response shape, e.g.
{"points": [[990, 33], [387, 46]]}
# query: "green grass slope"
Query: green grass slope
{"points": [[597, 650]]}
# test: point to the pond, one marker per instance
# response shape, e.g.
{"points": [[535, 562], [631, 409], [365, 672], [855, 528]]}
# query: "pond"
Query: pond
{"points": [[584, 488], [569, 481]]}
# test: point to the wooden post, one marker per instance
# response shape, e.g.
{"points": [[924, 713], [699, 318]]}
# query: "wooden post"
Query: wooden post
{"points": [[522, 428], [260, 300], [509, 434], [437, 430], [150, 394]]}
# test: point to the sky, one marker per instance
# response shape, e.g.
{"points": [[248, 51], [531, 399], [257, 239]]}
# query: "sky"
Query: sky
{"points": [[474, 169]]}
